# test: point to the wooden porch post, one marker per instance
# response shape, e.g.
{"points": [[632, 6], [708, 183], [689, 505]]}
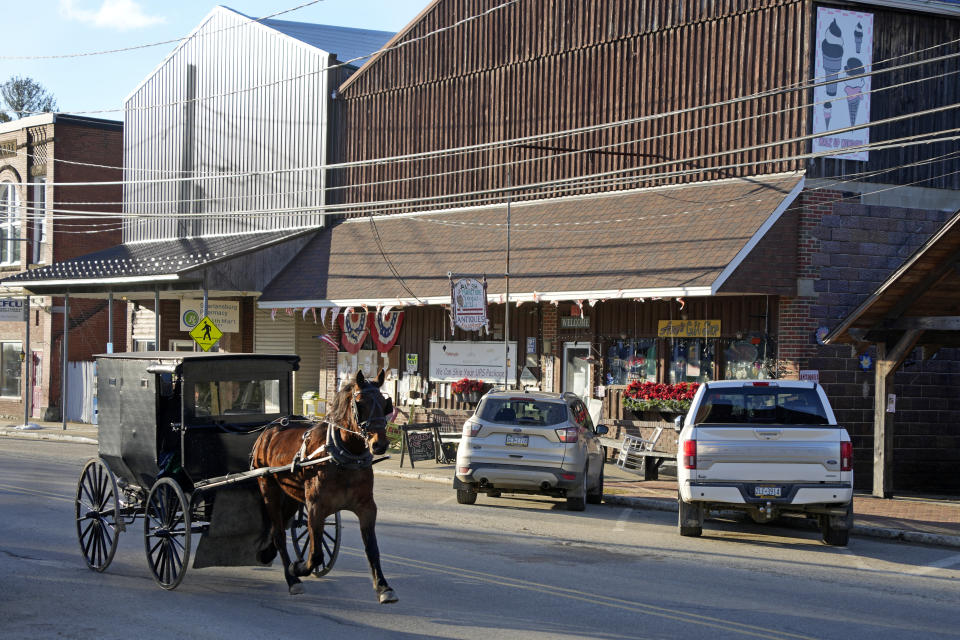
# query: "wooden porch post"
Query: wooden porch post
{"points": [[883, 422]]}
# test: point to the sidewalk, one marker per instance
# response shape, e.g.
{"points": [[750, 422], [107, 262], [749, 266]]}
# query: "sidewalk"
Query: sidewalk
{"points": [[916, 519]]}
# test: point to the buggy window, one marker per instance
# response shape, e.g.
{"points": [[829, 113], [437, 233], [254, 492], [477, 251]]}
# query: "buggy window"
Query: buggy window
{"points": [[522, 411], [214, 400], [766, 405]]}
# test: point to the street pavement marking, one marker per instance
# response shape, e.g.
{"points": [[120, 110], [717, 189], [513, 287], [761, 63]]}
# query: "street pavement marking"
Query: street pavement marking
{"points": [[946, 563], [591, 597], [624, 516], [34, 492]]}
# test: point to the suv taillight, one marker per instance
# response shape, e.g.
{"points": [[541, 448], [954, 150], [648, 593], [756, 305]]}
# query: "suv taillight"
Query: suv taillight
{"points": [[470, 429], [846, 456], [689, 454], [570, 434]]}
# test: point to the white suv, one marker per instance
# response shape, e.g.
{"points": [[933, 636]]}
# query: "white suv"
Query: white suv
{"points": [[531, 442]]}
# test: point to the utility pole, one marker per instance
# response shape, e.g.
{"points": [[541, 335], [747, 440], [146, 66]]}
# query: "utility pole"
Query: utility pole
{"points": [[506, 308]]}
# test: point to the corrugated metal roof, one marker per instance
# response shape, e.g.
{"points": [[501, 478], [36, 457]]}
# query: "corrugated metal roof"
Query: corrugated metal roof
{"points": [[345, 42]]}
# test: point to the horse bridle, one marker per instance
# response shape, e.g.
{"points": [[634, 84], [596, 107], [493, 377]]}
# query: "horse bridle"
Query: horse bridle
{"points": [[365, 425]]}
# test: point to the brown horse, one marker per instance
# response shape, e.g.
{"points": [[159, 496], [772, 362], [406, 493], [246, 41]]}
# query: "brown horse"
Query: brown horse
{"points": [[354, 431]]}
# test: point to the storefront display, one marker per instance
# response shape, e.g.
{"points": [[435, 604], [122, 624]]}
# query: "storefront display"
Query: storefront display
{"points": [[627, 361], [692, 360]]}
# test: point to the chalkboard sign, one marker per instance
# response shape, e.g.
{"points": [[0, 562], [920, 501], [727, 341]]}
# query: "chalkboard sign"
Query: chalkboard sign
{"points": [[420, 445]]}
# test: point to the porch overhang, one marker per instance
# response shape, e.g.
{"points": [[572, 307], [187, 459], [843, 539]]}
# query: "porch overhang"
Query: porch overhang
{"points": [[682, 240]]}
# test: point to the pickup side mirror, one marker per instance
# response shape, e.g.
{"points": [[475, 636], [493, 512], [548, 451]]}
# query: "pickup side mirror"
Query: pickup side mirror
{"points": [[678, 423], [601, 429]]}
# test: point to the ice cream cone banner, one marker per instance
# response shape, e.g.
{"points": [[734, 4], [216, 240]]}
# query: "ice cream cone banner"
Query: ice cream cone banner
{"points": [[853, 104], [831, 47], [827, 114], [858, 37]]}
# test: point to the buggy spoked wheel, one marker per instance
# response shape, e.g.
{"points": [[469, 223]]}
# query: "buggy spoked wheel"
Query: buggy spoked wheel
{"points": [[97, 509], [329, 540], [166, 528]]}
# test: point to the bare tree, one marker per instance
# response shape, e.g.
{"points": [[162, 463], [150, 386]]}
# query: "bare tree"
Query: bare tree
{"points": [[23, 97]]}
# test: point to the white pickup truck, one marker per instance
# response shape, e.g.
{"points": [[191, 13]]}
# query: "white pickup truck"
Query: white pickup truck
{"points": [[765, 447]]}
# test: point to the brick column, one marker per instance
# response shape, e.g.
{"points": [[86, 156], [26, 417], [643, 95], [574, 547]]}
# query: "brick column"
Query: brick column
{"points": [[548, 333]]}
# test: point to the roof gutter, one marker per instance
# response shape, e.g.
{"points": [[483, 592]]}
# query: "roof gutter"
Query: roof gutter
{"points": [[497, 298]]}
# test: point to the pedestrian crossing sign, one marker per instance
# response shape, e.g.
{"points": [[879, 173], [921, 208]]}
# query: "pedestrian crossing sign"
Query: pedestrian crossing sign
{"points": [[205, 333]]}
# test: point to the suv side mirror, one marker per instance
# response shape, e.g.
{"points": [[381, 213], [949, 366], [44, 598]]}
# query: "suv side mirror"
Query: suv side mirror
{"points": [[678, 423], [601, 429]]}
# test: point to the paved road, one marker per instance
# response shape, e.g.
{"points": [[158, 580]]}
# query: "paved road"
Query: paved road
{"points": [[503, 568]]}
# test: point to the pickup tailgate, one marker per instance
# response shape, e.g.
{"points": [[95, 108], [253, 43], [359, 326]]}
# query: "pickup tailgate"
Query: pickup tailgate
{"points": [[768, 453]]}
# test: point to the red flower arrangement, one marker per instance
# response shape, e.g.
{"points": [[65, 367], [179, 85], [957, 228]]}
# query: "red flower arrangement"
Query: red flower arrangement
{"points": [[657, 396], [466, 385]]}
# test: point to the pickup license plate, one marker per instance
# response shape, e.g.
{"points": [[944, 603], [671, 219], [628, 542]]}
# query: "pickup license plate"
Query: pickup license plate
{"points": [[517, 441], [767, 492]]}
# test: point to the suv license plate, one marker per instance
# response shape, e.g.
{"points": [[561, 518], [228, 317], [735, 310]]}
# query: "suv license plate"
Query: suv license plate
{"points": [[768, 492], [517, 441]]}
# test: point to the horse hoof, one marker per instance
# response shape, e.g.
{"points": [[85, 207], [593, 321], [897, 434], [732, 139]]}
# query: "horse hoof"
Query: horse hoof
{"points": [[388, 597], [296, 589]]}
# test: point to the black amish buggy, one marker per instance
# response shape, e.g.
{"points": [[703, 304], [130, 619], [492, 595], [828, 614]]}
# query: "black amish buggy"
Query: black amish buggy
{"points": [[176, 431]]}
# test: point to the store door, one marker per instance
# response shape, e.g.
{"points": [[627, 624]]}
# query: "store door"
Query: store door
{"points": [[576, 368]]}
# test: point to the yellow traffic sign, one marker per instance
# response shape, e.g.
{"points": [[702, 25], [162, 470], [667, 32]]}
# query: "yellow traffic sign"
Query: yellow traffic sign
{"points": [[205, 333]]}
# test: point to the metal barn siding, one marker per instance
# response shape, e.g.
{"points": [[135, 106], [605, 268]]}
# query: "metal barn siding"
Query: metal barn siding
{"points": [[543, 66], [897, 37], [199, 115]]}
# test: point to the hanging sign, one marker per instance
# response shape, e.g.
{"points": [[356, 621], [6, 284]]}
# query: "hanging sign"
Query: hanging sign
{"points": [[226, 313], [468, 304], [11, 310], [487, 361], [688, 329], [353, 330], [844, 51], [385, 329]]}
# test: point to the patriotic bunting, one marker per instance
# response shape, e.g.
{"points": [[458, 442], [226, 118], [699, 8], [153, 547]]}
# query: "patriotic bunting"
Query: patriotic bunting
{"points": [[354, 328], [330, 341], [385, 329]]}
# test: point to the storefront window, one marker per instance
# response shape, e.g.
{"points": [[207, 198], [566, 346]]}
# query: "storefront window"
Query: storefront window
{"points": [[747, 358], [692, 360], [10, 369], [630, 360]]}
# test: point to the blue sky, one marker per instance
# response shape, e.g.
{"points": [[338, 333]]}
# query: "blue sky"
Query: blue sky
{"points": [[57, 27]]}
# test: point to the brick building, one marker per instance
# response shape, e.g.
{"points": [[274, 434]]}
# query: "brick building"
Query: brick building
{"points": [[38, 154]]}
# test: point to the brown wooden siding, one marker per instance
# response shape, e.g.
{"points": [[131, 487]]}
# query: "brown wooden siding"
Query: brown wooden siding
{"points": [[900, 34], [542, 66]]}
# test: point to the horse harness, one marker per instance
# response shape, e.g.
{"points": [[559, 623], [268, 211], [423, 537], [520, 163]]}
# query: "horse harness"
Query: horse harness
{"points": [[334, 447]]}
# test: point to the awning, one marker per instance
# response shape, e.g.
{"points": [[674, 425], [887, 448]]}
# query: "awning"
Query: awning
{"points": [[922, 295], [685, 240], [144, 266]]}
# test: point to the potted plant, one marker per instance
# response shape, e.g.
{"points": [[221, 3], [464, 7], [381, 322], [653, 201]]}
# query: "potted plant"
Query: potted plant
{"points": [[467, 390], [666, 400]]}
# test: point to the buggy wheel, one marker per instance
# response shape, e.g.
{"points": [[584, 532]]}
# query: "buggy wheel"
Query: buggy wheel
{"points": [[329, 540], [166, 530], [97, 510]]}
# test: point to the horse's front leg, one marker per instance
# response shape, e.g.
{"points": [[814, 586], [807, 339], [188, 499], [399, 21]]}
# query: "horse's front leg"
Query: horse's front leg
{"points": [[278, 511], [367, 514]]}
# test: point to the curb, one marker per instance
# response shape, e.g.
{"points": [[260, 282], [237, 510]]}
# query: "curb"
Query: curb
{"points": [[36, 435]]}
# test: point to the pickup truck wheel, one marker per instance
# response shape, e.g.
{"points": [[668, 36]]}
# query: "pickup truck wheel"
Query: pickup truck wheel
{"points": [[466, 496], [689, 518], [833, 534]]}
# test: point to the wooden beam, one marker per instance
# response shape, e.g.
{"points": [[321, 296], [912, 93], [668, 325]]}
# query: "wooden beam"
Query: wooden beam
{"points": [[920, 288], [883, 421], [941, 323]]}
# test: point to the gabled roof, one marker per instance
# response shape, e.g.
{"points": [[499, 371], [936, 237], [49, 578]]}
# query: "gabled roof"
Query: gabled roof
{"points": [[662, 241], [347, 43]]}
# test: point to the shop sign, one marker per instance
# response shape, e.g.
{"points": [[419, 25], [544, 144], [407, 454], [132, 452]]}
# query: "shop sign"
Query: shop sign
{"points": [[452, 361], [468, 304], [688, 329], [11, 310], [574, 322], [225, 313]]}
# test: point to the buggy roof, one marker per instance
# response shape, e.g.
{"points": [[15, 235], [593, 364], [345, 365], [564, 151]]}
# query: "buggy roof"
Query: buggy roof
{"points": [[176, 358]]}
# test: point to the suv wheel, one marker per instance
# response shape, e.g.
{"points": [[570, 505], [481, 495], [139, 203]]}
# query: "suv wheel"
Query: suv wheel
{"points": [[596, 496], [578, 502], [466, 496], [689, 518]]}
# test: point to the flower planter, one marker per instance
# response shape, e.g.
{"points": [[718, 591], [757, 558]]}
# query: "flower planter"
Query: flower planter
{"points": [[655, 416]]}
